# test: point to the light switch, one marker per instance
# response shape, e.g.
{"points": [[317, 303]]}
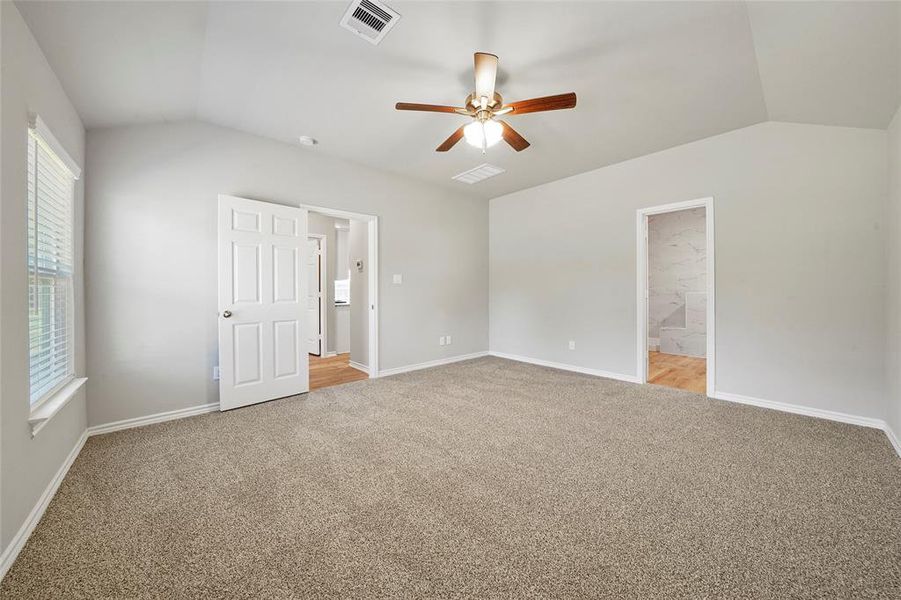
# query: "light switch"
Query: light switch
{"points": [[448, 338], [572, 345], [398, 278]]}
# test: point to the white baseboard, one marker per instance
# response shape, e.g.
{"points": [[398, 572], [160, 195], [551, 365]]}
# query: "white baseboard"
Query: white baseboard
{"points": [[330, 354], [893, 438], [431, 363], [34, 517], [797, 409], [151, 419], [565, 367], [818, 413], [358, 366]]}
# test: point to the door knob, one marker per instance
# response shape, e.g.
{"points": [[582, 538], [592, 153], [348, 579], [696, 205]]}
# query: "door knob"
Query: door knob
{"points": [[227, 314]]}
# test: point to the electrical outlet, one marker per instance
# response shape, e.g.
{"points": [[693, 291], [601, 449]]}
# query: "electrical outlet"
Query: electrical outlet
{"points": [[441, 341], [215, 373], [572, 345], [398, 279], [448, 340]]}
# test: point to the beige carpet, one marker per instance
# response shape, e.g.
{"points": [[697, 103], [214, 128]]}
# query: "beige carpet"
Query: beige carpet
{"points": [[481, 479]]}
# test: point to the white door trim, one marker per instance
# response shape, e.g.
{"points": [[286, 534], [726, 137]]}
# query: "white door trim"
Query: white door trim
{"points": [[373, 258], [323, 297], [642, 285]]}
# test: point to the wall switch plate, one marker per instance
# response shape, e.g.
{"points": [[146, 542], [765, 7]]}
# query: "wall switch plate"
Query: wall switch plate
{"points": [[572, 345], [448, 340], [398, 279], [441, 341], [215, 373]]}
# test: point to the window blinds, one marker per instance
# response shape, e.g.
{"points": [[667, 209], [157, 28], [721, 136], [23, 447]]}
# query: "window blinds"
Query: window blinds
{"points": [[50, 267]]}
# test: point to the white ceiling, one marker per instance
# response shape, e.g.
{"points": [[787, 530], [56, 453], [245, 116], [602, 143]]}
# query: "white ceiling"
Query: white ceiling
{"points": [[649, 76]]}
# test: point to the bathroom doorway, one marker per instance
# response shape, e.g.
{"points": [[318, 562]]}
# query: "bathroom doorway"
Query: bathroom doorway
{"points": [[676, 296]]}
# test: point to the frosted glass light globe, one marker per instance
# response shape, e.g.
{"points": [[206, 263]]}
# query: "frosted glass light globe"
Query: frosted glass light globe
{"points": [[483, 135]]}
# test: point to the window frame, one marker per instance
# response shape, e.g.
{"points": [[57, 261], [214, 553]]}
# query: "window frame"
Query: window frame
{"points": [[46, 144]]}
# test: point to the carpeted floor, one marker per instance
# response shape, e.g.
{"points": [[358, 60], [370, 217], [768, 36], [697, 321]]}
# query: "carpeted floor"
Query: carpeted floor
{"points": [[488, 479]]}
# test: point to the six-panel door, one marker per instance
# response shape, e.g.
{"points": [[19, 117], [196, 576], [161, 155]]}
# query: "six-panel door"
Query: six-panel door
{"points": [[262, 297]]}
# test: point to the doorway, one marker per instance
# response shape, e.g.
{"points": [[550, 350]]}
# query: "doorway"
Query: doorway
{"points": [[316, 294], [676, 339], [347, 346]]}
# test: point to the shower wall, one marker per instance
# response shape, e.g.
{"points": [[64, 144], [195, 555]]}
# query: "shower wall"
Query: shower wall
{"points": [[677, 282]]}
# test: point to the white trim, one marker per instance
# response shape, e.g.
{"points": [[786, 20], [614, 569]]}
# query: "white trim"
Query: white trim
{"points": [[39, 127], [641, 243], [47, 408], [323, 293], [171, 415], [896, 443], [373, 258], [330, 354], [798, 409], [9, 555], [358, 366], [817, 413], [432, 363], [565, 367]]}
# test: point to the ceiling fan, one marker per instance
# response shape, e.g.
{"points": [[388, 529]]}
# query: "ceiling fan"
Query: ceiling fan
{"points": [[485, 105]]}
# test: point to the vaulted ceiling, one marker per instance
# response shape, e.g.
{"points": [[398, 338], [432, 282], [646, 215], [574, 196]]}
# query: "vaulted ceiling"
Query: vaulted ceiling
{"points": [[649, 76]]}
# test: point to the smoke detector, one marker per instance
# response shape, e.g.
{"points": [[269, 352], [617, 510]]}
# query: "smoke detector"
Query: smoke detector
{"points": [[369, 19]]}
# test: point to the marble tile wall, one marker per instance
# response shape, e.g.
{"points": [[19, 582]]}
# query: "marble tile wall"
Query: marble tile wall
{"points": [[677, 257]]}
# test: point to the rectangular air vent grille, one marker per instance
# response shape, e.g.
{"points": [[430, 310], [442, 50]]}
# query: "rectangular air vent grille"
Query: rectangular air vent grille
{"points": [[369, 19], [477, 174]]}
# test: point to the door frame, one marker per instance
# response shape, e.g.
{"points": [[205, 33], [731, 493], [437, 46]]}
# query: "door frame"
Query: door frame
{"points": [[641, 237], [323, 295], [373, 279]]}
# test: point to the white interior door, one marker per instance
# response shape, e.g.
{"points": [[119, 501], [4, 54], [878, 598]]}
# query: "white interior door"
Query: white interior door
{"points": [[262, 294], [314, 296]]}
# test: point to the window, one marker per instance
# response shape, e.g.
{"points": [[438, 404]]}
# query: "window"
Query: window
{"points": [[342, 291], [50, 191]]}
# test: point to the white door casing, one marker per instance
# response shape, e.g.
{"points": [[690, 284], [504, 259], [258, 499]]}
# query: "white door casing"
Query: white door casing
{"points": [[262, 292], [372, 225], [314, 295], [642, 281]]}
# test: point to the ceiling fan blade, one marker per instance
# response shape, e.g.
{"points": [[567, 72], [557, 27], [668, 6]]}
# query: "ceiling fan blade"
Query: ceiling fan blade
{"points": [[512, 137], [558, 102], [486, 72], [451, 141], [426, 107]]}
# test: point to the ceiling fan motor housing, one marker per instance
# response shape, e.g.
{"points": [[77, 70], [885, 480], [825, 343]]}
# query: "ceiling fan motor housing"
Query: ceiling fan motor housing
{"points": [[475, 104]]}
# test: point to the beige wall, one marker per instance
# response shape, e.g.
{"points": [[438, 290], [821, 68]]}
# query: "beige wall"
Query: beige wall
{"points": [[799, 262], [323, 225], [151, 256], [893, 279], [358, 248], [27, 465]]}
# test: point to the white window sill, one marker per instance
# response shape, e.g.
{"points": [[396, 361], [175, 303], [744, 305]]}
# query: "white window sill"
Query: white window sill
{"points": [[45, 411]]}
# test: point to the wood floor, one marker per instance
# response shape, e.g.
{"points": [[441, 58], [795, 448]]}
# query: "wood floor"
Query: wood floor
{"points": [[683, 372], [334, 370]]}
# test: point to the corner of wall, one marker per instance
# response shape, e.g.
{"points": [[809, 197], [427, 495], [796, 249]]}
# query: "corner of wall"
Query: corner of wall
{"points": [[893, 277]]}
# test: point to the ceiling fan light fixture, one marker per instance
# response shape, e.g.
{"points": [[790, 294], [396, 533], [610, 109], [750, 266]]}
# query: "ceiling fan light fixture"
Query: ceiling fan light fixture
{"points": [[484, 105], [483, 134]]}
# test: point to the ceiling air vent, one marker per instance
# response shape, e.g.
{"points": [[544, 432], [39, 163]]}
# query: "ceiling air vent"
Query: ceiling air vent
{"points": [[369, 19], [477, 174]]}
